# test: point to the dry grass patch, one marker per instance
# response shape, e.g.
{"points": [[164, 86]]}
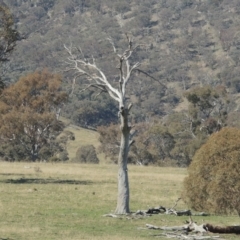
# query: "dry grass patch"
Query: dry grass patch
{"points": [[67, 201]]}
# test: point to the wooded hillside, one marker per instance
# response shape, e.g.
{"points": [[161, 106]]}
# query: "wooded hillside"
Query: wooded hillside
{"points": [[190, 48]]}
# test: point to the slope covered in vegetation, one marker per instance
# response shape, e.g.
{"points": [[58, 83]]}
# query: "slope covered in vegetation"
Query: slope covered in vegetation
{"points": [[187, 43], [186, 46]]}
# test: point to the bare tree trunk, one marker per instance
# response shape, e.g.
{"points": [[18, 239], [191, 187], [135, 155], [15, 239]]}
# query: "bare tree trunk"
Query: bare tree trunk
{"points": [[98, 80], [123, 184]]}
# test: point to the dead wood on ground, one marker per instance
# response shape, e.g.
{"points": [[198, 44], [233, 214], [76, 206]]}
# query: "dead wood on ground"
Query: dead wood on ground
{"points": [[224, 230], [193, 231]]}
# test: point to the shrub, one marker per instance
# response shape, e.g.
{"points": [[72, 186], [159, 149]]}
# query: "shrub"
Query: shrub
{"points": [[213, 181], [12, 152], [86, 154]]}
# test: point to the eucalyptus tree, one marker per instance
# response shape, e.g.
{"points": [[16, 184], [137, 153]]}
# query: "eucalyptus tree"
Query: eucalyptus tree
{"points": [[29, 111], [8, 35], [97, 79]]}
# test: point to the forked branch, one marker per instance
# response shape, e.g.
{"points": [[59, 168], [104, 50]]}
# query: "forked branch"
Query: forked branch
{"points": [[81, 66]]}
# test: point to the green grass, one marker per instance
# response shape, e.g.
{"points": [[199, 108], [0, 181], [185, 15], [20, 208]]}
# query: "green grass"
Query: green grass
{"points": [[67, 201]]}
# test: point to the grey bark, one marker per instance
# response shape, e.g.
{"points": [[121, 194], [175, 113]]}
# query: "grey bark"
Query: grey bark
{"points": [[123, 184]]}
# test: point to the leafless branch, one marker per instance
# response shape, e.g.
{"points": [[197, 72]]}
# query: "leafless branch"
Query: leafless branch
{"points": [[92, 72]]}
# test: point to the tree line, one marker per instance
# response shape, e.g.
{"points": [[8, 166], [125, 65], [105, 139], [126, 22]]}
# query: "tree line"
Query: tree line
{"points": [[174, 139], [29, 117], [29, 109]]}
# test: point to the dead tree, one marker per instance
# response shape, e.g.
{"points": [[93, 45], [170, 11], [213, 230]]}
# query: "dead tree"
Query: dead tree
{"points": [[98, 80], [183, 231]]}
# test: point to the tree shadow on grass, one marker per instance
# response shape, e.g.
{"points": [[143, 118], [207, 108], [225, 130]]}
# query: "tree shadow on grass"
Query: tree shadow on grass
{"points": [[46, 181]]}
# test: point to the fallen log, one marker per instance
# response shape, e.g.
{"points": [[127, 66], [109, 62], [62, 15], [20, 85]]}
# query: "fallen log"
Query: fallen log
{"points": [[156, 210], [193, 227], [163, 210], [172, 210], [179, 213], [183, 232], [224, 230]]}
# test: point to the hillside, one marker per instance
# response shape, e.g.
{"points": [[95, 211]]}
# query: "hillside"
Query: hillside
{"points": [[82, 137], [189, 51], [184, 45], [188, 44]]}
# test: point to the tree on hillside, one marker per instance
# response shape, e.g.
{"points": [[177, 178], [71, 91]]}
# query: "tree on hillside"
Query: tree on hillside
{"points": [[213, 181], [8, 35], [109, 138], [208, 108], [29, 111], [97, 79], [92, 112], [152, 143]]}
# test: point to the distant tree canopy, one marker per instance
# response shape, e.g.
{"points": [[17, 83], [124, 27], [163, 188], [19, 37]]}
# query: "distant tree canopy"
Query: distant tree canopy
{"points": [[175, 139], [213, 181], [8, 36], [109, 138], [208, 108], [186, 48], [29, 114], [90, 111], [178, 38], [152, 143]]}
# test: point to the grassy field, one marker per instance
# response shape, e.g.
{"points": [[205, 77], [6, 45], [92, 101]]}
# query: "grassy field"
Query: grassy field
{"points": [[66, 201]]}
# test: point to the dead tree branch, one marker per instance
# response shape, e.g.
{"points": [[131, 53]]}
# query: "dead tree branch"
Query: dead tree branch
{"points": [[185, 231], [82, 67]]}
